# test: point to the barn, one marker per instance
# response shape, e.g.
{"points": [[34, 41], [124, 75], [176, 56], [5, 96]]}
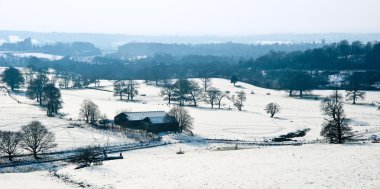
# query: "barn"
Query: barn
{"points": [[152, 121]]}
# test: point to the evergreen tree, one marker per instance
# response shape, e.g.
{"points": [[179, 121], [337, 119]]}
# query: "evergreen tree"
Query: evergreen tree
{"points": [[13, 78], [36, 86], [234, 79], [51, 99]]}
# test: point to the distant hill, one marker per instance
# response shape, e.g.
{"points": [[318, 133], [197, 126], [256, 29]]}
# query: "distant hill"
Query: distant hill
{"points": [[59, 48], [215, 49], [110, 42]]}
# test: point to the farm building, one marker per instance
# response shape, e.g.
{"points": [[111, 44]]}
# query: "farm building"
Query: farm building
{"points": [[152, 121]]}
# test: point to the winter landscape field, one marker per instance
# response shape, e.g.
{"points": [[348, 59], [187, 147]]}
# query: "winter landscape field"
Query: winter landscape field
{"points": [[190, 94], [207, 164]]}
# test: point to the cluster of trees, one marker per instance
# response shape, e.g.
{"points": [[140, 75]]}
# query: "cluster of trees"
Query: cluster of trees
{"points": [[63, 78], [75, 81], [335, 56], [39, 87], [44, 90], [271, 70], [33, 137], [214, 49], [297, 83], [185, 90], [129, 88]]}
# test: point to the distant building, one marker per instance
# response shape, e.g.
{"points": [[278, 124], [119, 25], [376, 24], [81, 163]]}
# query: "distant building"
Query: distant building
{"points": [[152, 121]]}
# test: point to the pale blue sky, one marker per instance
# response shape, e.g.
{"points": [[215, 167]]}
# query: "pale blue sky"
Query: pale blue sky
{"points": [[192, 17]]}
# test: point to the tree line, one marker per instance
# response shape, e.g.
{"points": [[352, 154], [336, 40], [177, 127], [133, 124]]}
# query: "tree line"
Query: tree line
{"points": [[39, 88], [59, 48], [342, 55], [265, 71]]}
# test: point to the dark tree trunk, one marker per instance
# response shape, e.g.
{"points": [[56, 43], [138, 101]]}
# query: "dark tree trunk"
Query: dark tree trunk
{"points": [[195, 102], [35, 154]]}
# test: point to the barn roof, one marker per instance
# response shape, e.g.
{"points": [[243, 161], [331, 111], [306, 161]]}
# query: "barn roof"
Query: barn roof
{"points": [[160, 119], [134, 116]]}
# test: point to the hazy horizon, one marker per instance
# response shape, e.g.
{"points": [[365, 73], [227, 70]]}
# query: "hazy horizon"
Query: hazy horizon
{"points": [[192, 18]]}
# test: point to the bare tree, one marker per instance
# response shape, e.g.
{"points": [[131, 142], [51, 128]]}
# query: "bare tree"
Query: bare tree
{"points": [[185, 121], [36, 138], [239, 100], [221, 97], [9, 142], [212, 96], [194, 91], [272, 108], [168, 91], [355, 95], [119, 88], [89, 111], [187, 90], [88, 155], [354, 85], [131, 89], [206, 83], [336, 125]]}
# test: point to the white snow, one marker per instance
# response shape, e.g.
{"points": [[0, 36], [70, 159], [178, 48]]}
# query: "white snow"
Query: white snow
{"points": [[35, 180], [251, 124], [14, 115], [307, 166], [202, 166], [38, 55]]}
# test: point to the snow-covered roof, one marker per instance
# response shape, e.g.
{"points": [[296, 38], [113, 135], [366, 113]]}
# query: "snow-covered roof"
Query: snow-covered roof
{"points": [[160, 119], [133, 116]]}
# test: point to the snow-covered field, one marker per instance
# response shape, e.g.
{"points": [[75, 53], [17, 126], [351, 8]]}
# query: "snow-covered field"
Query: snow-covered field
{"points": [[251, 124], [307, 166], [227, 123], [14, 115], [30, 54]]}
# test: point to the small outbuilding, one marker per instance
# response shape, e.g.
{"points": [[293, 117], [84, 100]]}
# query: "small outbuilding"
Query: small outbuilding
{"points": [[152, 121]]}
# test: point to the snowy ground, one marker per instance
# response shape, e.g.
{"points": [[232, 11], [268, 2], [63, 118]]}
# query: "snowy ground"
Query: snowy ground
{"points": [[228, 123], [30, 54], [307, 166], [14, 115], [252, 123]]}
